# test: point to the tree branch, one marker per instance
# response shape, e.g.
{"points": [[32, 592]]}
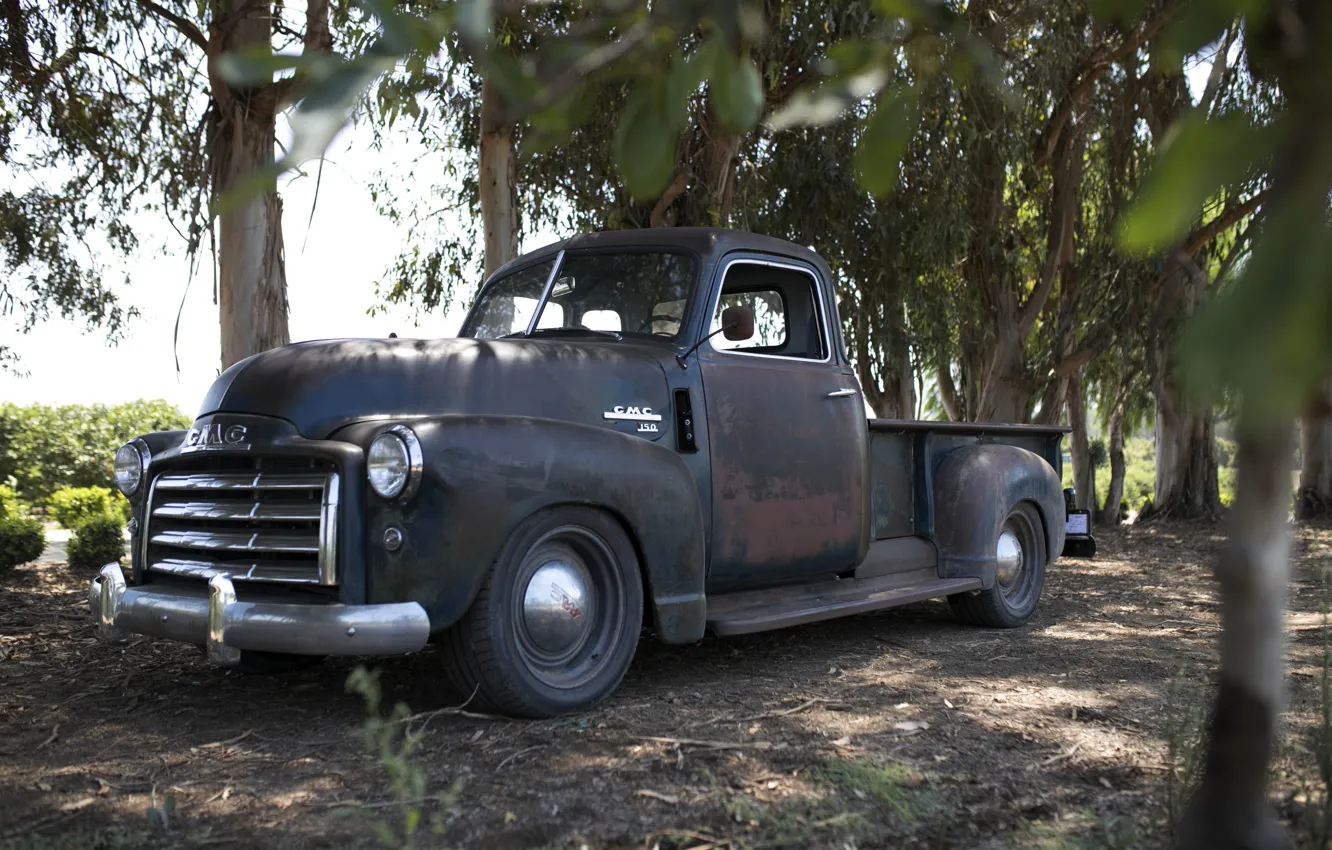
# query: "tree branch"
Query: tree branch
{"points": [[1226, 219], [675, 190], [948, 393], [183, 26], [1081, 82], [585, 66]]}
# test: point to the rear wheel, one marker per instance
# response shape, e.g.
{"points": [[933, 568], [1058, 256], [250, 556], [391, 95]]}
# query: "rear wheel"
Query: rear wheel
{"points": [[1021, 555], [555, 625]]}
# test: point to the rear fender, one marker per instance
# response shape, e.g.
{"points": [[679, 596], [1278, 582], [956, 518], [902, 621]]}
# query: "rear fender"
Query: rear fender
{"points": [[975, 487], [483, 475]]}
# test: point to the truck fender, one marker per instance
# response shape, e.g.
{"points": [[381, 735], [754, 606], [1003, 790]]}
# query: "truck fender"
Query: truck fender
{"points": [[975, 487], [483, 475]]}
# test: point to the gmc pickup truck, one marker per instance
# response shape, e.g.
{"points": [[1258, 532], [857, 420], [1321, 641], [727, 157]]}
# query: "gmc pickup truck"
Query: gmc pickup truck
{"points": [[653, 428]]}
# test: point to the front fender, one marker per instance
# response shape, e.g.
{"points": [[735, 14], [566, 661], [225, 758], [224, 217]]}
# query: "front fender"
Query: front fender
{"points": [[975, 487], [483, 475]]}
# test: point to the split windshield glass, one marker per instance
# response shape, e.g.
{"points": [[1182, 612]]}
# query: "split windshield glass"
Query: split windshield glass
{"points": [[610, 294]]}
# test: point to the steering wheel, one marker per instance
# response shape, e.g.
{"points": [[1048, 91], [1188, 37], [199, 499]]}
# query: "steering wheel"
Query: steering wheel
{"points": [[657, 317]]}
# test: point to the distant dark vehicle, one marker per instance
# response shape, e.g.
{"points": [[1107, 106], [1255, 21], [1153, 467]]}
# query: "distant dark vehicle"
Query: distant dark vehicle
{"points": [[637, 428]]}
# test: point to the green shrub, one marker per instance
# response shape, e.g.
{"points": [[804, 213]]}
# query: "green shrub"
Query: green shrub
{"points": [[10, 506], [73, 506], [21, 540], [97, 542], [45, 447]]}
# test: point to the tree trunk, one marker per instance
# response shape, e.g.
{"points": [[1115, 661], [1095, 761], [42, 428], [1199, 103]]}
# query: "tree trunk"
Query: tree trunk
{"points": [[1186, 471], [1231, 809], [497, 169], [252, 277], [1084, 477], [708, 200], [1314, 498], [1109, 514]]}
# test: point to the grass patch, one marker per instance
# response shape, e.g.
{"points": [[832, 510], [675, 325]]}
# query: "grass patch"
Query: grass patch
{"points": [[851, 800], [74, 838], [1081, 830]]}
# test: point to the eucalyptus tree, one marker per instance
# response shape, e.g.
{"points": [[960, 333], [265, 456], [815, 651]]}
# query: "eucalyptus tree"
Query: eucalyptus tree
{"points": [[108, 109], [1314, 496]]}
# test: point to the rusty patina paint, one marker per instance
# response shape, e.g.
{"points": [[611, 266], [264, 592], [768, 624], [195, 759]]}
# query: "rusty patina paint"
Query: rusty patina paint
{"points": [[787, 498]]}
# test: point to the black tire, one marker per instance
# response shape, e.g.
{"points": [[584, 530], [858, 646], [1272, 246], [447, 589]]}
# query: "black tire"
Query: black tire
{"points": [[254, 663], [495, 652], [1009, 604]]}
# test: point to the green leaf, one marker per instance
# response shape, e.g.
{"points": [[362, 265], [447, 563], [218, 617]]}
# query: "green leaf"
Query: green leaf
{"points": [[322, 113], [645, 142], [514, 79], [254, 67], [1266, 335], [1199, 24], [887, 133], [1199, 159], [826, 103], [737, 93], [1117, 11], [687, 75]]}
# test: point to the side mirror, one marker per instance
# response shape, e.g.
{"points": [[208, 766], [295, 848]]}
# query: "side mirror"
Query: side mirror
{"points": [[737, 323]]}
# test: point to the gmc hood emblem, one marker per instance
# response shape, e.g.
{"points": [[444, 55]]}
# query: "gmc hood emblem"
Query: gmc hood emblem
{"points": [[216, 435]]}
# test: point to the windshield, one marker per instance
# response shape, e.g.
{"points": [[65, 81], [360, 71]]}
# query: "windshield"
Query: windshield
{"points": [[638, 293]]}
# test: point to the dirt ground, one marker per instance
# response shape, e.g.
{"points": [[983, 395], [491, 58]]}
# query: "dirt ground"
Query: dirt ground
{"points": [[894, 729]]}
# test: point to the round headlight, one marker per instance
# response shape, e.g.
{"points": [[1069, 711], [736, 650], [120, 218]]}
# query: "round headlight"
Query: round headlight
{"points": [[129, 469], [394, 463]]}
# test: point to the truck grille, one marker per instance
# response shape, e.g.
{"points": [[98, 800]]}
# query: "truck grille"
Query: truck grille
{"points": [[252, 519]]}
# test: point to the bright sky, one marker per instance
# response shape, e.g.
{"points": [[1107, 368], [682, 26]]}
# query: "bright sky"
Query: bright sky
{"points": [[330, 284]]}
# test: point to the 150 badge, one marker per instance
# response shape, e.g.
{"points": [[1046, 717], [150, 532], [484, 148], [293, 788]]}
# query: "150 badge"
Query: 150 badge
{"points": [[646, 419]]}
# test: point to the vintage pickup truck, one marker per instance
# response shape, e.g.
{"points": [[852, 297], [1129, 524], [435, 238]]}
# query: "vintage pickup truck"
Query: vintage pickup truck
{"points": [[653, 428]]}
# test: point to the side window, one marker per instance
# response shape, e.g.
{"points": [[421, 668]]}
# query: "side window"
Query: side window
{"points": [[787, 320], [769, 311]]}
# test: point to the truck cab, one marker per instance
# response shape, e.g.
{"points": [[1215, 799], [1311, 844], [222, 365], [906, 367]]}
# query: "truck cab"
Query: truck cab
{"points": [[653, 428]]}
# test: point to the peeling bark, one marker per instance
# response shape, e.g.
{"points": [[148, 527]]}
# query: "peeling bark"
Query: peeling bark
{"points": [[1084, 479], [1109, 514], [497, 165], [1314, 497], [1186, 468], [252, 279]]}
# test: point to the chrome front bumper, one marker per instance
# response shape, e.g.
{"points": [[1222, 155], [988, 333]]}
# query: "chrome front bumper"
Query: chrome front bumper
{"points": [[225, 625]]}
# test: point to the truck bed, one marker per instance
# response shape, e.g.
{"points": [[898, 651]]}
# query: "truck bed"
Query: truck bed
{"points": [[904, 453]]}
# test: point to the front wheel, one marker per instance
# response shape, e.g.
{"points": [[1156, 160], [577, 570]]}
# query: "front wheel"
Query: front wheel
{"points": [[556, 622], [1021, 558]]}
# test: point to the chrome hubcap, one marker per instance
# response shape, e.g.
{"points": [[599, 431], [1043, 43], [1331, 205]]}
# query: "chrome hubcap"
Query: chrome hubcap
{"points": [[558, 608], [1008, 554]]}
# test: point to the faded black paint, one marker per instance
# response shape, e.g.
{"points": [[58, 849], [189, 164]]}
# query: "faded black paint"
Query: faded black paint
{"points": [[485, 474], [975, 488], [780, 488]]}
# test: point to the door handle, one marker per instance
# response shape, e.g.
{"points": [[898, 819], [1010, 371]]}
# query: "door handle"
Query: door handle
{"points": [[842, 394]]}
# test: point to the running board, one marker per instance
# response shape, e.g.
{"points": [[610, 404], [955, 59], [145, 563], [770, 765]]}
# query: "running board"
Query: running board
{"points": [[747, 611]]}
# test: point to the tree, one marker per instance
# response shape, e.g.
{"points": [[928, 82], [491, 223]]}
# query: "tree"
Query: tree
{"points": [[1314, 497], [103, 112], [1263, 336]]}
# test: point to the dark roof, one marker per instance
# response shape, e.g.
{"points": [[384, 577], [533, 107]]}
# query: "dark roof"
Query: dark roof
{"points": [[706, 241]]}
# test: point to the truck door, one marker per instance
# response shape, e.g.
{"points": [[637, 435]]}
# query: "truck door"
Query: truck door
{"points": [[787, 432]]}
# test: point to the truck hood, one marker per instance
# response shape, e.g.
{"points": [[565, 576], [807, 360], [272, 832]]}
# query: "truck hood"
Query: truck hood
{"points": [[322, 386]]}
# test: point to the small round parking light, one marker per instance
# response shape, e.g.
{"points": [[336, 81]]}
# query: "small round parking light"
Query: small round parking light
{"points": [[392, 539], [128, 469], [393, 463]]}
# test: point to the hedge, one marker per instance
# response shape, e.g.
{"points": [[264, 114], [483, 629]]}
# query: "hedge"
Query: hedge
{"points": [[96, 542], [72, 506], [10, 505], [44, 448], [21, 540]]}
